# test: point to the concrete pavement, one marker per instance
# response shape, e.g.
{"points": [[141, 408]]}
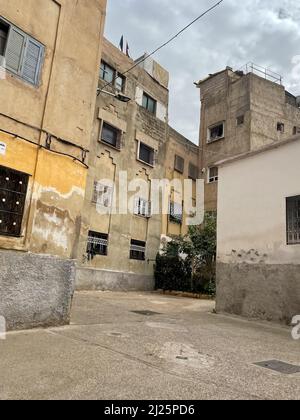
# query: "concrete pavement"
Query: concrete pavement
{"points": [[182, 351]]}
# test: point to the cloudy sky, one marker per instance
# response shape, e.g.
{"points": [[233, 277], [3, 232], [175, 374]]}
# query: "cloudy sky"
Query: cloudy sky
{"points": [[266, 32]]}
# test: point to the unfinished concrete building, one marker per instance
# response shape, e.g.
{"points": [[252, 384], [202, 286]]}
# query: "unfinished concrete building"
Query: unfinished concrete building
{"points": [[241, 111]]}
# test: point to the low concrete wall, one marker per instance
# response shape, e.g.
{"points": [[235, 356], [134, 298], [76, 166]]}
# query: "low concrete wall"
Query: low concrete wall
{"points": [[260, 291], [93, 279], [35, 290]]}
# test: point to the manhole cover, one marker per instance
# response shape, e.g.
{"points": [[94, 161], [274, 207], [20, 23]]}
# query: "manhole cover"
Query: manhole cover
{"points": [[146, 313], [280, 367]]}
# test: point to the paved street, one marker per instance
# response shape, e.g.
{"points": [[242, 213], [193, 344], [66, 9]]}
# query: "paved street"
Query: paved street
{"points": [[182, 352]]}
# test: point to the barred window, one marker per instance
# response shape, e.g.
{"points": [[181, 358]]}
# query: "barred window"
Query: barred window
{"points": [[293, 220], [142, 207], [102, 195], [179, 164], [13, 190], [97, 244], [176, 212], [137, 250]]}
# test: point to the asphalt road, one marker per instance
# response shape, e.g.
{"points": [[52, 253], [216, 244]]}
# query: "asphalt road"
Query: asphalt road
{"points": [[181, 351]]}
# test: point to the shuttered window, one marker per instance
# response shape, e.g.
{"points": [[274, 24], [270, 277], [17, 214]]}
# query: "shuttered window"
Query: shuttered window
{"points": [[142, 207], [193, 172], [13, 189], [179, 164], [176, 213], [23, 54], [293, 220]]}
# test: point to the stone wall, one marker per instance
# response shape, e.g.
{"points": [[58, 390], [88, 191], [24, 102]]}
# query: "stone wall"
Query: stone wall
{"points": [[36, 290]]}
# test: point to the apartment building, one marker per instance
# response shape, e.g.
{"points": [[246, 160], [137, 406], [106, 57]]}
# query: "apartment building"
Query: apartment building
{"points": [[48, 94], [241, 111], [132, 138]]}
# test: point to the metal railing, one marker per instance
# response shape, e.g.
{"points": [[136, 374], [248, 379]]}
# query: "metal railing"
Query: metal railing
{"points": [[262, 72]]}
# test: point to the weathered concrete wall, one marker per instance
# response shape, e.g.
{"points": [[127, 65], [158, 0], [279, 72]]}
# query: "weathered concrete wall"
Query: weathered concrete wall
{"points": [[35, 290], [258, 272], [263, 291], [93, 279]]}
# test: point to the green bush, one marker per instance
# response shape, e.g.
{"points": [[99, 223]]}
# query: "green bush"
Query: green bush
{"points": [[188, 263]]}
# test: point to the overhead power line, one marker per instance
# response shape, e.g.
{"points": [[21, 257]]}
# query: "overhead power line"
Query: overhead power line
{"points": [[146, 56]]}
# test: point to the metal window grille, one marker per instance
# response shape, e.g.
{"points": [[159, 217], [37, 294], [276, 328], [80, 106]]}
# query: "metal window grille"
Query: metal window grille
{"points": [[176, 212], [13, 190], [138, 250], [179, 164], [142, 207], [102, 195], [293, 220], [97, 244]]}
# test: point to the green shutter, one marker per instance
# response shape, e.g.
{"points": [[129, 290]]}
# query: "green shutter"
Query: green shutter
{"points": [[14, 50], [32, 61]]}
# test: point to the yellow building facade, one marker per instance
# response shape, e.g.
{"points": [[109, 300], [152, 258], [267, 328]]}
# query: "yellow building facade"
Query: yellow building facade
{"points": [[50, 53]]}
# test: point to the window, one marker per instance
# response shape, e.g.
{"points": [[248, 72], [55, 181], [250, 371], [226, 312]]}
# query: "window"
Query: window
{"points": [[146, 154], [111, 135], [102, 195], [137, 250], [176, 213], [240, 120], [13, 189], [213, 174], [3, 37], [149, 103], [216, 132], [193, 172], [110, 75], [296, 130], [280, 127], [107, 73], [97, 244], [179, 164], [23, 54], [293, 220], [142, 207]]}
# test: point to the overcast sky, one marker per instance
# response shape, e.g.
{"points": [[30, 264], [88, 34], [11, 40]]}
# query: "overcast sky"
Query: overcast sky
{"points": [[266, 32]]}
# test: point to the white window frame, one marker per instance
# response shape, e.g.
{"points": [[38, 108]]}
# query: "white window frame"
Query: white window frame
{"points": [[142, 207], [102, 195], [212, 179], [209, 130], [138, 154]]}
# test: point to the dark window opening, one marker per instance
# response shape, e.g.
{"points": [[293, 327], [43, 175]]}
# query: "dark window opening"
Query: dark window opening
{"points": [[296, 130], [240, 120], [193, 172], [146, 154], [149, 103], [3, 37], [13, 190], [111, 135], [293, 220], [179, 164], [176, 213], [280, 127], [213, 175], [216, 132], [97, 244], [137, 250]]}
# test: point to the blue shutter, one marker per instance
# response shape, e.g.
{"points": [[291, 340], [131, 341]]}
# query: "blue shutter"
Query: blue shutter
{"points": [[32, 61], [14, 50]]}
